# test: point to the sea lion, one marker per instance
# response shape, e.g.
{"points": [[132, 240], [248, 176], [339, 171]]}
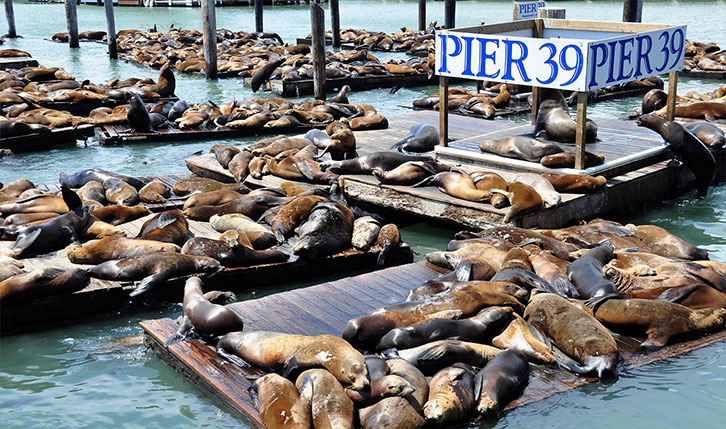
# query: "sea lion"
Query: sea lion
{"points": [[366, 122], [280, 404], [202, 184], [96, 228], [115, 247], [80, 178], [137, 115], [254, 240], [365, 232], [155, 191], [521, 236], [211, 198], [328, 230], [458, 184], [120, 192], [410, 172], [404, 369], [224, 153], [383, 386], [577, 334], [553, 270], [383, 160], [12, 190], [41, 203], [153, 269], [661, 320], [520, 147], [554, 121], [18, 128], [708, 110], [486, 180], [517, 335], [575, 183], [655, 99], [391, 413], [441, 285], [92, 191], [168, 227], [451, 394], [342, 142], [709, 134], [292, 214], [43, 282], [330, 406], [543, 187], [489, 253], [342, 96], [421, 138], [239, 165], [166, 83], [237, 222], [388, 238], [523, 199], [663, 243], [262, 74], [287, 353], [9, 267], [231, 256], [119, 214], [434, 356], [203, 317], [587, 276], [498, 382], [694, 154], [567, 160], [474, 329], [251, 206]]}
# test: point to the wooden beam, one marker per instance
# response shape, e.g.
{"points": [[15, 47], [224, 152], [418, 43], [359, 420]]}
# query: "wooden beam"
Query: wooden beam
{"points": [[72, 21], [10, 16], [450, 14], [209, 38], [421, 15], [672, 94], [110, 30], [335, 22], [632, 10], [537, 32], [317, 21], [258, 16], [581, 136], [443, 111]]}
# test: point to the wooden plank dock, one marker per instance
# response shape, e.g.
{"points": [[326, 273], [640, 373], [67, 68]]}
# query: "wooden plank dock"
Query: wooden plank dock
{"points": [[17, 62], [106, 296], [325, 309], [44, 141], [84, 107], [704, 74], [297, 88]]}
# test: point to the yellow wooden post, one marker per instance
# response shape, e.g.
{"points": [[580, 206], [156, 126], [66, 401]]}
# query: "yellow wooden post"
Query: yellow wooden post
{"points": [[581, 136], [443, 111]]}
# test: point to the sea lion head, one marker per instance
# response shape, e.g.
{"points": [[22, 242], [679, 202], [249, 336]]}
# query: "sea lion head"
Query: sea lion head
{"points": [[207, 265], [391, 385], [353, 370]]}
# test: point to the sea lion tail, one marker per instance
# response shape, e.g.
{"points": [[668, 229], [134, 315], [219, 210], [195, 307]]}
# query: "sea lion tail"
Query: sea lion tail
{"points": [[429, 181], [382, 256], [234, 359], [567, 362]]}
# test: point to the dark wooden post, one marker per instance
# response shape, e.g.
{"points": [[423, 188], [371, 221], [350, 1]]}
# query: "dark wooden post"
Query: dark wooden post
{"points": [[72, 20], [258, 16], [672, 93], [450, 14], [209, 38], [10, 15], [443, 111], [421, 15], [538, 32], [317, 21], [335, 22], [581, 135], [110, 30], [632, 10]]}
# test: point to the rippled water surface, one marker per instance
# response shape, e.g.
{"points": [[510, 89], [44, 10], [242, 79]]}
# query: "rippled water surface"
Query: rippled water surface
{"points": [[93, 375]]}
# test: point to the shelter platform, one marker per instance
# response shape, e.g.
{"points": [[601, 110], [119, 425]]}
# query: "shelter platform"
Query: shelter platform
{"points": [[105, 296], [325, 309], [44, 141]]}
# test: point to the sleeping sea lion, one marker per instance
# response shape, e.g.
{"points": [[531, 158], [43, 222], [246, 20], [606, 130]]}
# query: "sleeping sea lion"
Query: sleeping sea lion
{"points": [[330, 405], [280, 404], [383, 160], [410, 172], [586, 273], [120, 192], [434, 356], [328, 230], [575, 183], [499, 382], [421, 138], [451, 394], [231, 256], [391, 413], [80, 178], [567, 160], [155, 191], [709, 134], [365, 232], [115, 247], [663, 243], [516, 335], [458, 184], [119, 214], [169, 227], [43, 282], [520, 147], [523, 199], [543, 187]]}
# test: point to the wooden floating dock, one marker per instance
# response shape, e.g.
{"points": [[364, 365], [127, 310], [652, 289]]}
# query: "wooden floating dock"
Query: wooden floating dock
{"points": [[43, 141], [297, 88], [104, 296], [84, 107], [704, 74], [325, 309], [17, 62]]}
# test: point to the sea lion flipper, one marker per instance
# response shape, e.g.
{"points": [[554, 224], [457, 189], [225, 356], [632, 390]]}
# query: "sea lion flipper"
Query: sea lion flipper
{"points": [[305, 168], [184, 328], [165, 220], [434, 353], [463, 271], [252, 390], [219, 297], [567, 362], [148, 283], [25, 241], [72, 200], [478, 380], [382, 257], [677, 294], [290, 367], [596, 301], [429, 181], [236, 360]]}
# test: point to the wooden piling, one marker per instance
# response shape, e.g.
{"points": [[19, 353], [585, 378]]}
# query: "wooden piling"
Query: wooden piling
{"points": [[209, 38], [443, 111], [450, 13], [538, 33], [111, 30], [317, 22], [552, 12], [581, 136], [72, 21], [258, 16], [10, 15], [632, 10], [421, 15], [672, 92], [335, 22]]}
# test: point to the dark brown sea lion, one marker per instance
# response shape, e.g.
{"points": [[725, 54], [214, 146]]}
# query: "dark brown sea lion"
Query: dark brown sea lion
{"points": [[287, 353], [553, 270], [391, 413], [12, 190], [252, 239], [381, 387], [696, 296], [239, 165], [388, 238], [577, 334], [262, 74], [211, 198], [155, 191], [655, 99], [137, 115], [292, 214], [434, 356], [119, 214], [367, 122], [120, 192], [169, 227], [202, 184], [523, 200], [575, 183], [474, 329], [517, 335], [80, 178], [383, 160], [520, 236], [231, 256], [520, 147], [451, 395], [154, 269], [567, 160], [115, 247], [18, 128], [409, 372], [280, 404], [694, 154], [365, 232], [709, 134], [328, 230], [663, 243], [554, 121], [586, 273], [44, 282], [329, 404], [27, 218], [342, 142], [224, 153], [499, 382], [457, 184], [203, 317], [410, 173]]}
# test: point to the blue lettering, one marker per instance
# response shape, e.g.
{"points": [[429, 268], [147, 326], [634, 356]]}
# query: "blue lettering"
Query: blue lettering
{"points": [[484, 57], [643, 55], [445, 54], [604, 50], [611, 66], [519, 62], [625, 58], [467, 56]]}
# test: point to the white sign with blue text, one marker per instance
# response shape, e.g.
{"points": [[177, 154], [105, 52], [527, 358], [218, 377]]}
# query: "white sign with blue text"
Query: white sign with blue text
{"points": [[528, 10], [567, 64]]}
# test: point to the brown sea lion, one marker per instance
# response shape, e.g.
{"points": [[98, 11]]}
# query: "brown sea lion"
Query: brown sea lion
{"points": [[553, 270], [409, 372], [517, 335], [520, 237], [43, 282], [653, 100], [492, 255], [96, 228], [35, 204], [365, 232], [567, 160], [554, 121], [457, 184], [251, 206], [708, 110], [663, 243], [575, 183], [92, 191], [252, 239], [155, 191], [587, 346], [330, 406], [434, 356], [239, 165], [291, 189], [451, 394], [381, 387], [211, 198], [410, 173], [120, 192], [437, 286], [9, 267], [169, 227], [27, 218], [520, 147], [292, 214], [523, 200], [367, 122], [327, 230], [153, 269], [388, 238], [224, 154], [119, 214], [115, 247], [391, 413], [280, 404], [287, 353], [499, 382], [231, 256], [202, 184], [709, 134], [12, 190]]}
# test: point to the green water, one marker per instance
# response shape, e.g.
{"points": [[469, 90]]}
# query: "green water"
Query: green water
{"points": [[82, 376]]}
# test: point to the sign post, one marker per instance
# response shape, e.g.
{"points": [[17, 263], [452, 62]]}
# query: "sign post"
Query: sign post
{"points": [[527, 10]]}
